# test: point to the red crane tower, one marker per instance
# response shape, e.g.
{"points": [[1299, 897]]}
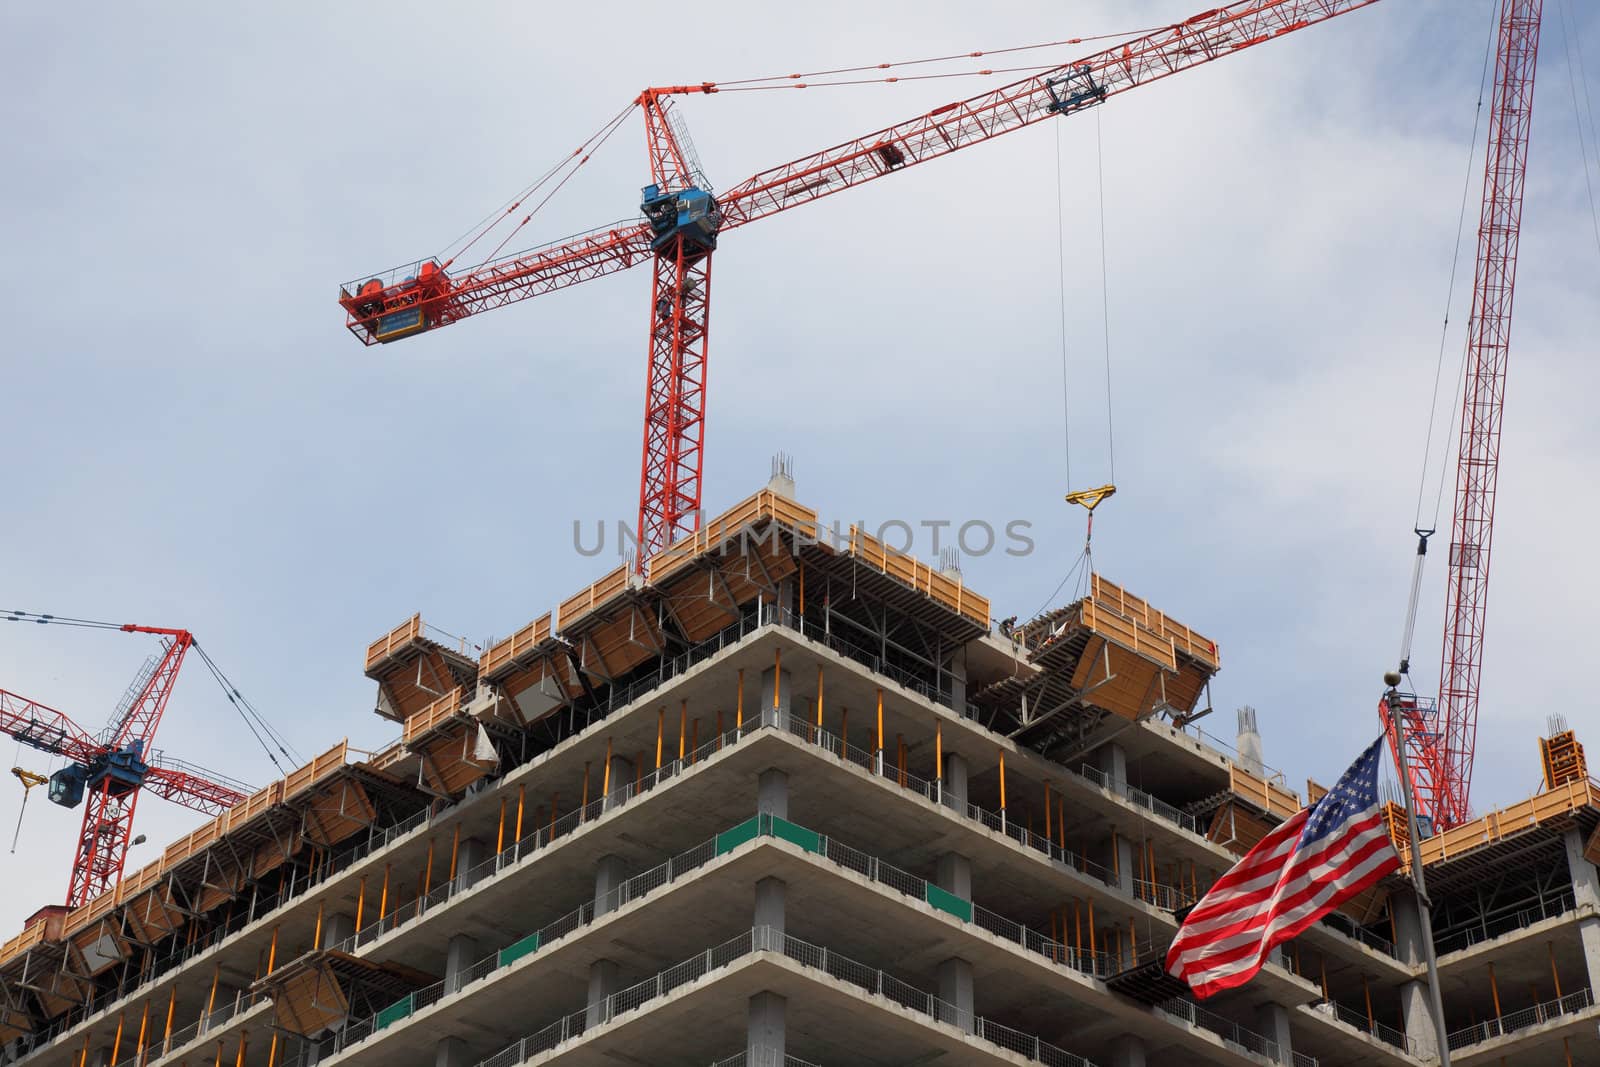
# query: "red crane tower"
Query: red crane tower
{"points": [[108, 770], [1440, 737], [683, 221]]}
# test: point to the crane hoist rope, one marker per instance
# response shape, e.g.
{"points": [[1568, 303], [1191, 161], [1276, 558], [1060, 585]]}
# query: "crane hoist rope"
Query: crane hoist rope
{"points": [[1090, 498], [1423, 533], [28, 779]]}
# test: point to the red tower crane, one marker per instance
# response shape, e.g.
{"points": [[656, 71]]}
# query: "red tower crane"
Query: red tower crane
{"points": [[683, 221], [1440, 736], [107, 771]]}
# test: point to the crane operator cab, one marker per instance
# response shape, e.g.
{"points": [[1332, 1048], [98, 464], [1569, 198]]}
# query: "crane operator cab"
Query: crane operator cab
{"points": [[382, 311], [691, 214]]}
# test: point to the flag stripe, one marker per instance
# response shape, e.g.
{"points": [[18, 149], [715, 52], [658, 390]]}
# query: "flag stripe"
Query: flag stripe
{"points": [[1311, 864]]}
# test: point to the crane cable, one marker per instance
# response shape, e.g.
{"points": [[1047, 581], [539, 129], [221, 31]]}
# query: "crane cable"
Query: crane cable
{"points": [[576, 159], [247, 711], [1424, 532], [1593, 142], [1089, 498], [252, 718], [756, 82]]}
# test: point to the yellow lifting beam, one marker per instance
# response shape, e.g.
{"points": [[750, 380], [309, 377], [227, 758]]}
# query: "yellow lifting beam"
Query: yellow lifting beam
{"points": [[28, 780]]}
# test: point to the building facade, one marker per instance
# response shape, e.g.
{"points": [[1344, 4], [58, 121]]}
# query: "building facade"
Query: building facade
{"points": [[792, 801]]}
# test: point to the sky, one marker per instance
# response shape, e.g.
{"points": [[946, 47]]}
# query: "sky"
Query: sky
{"points": [[197, 442]]}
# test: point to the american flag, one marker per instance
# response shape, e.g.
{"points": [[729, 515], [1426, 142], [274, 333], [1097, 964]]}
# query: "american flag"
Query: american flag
{"points": [[1303, 869]]}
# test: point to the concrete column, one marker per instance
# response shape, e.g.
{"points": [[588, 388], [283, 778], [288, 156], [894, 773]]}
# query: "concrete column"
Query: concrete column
{"points": [[770, 894], [471, 852], [958, 681], [620, 782], [772, 793], [955, 782], [1414, 1004], [954, 875], [1586, 894], [461, 953], [100, 1057], [452, 1052], [337, 927], [1113, 763], [602, 983], [767, 1028], [1127, 1051], [785, 697], [955, 990], [1119, 858], [609, 875], [1272, 1020]]}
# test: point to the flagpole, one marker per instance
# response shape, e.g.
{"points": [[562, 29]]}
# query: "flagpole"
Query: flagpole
{"points": [[1418, 881]]}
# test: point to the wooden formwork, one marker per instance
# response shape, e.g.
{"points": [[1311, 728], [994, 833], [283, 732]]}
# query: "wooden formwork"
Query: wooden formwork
{"points": [[433, 717], [411, 670], [1262, 793], [1561, 759], [910, 571], [526, 642], [14, 1023], [389, 646], [1553, 807], [596, 597], [1184, 640], [715, 535]]}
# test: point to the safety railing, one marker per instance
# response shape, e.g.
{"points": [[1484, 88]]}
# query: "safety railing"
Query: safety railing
{"points": [[1231, 1032], [261, 905], [762, 1057], [1488, 929], [211, 1022], [1383, 1032], [1522, 1019], [1342, 923], [869, 980], [877, 763], [516, 851], [1134, 795], [1100, 964]]}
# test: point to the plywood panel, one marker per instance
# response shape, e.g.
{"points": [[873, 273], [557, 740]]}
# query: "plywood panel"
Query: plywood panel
{"points": [[386, 646], [338, 812], [520, 644]]}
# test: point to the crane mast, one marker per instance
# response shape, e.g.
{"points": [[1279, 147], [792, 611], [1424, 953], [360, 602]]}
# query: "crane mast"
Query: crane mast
{"points": [[1483, 404]]}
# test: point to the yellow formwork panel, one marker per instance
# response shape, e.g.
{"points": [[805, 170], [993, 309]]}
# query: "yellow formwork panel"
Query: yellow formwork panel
{"points": [[518, 644], [384, 647]]}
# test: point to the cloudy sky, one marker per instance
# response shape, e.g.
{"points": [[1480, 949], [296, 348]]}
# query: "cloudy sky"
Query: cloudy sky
{"points": [[197, 442]]}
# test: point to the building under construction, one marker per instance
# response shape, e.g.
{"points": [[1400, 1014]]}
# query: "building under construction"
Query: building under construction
{"points": [[792, 800]]}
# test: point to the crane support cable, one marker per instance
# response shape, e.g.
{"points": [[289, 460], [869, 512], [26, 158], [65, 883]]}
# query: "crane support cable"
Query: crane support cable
{"points": [[609, 130], [252, 718], [982, 72], [1584, 144], [938, 59], [581, 154]]}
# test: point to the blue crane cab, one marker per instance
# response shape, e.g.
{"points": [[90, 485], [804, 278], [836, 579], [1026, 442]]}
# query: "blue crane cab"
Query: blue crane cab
{"points": [[690, 214]]}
